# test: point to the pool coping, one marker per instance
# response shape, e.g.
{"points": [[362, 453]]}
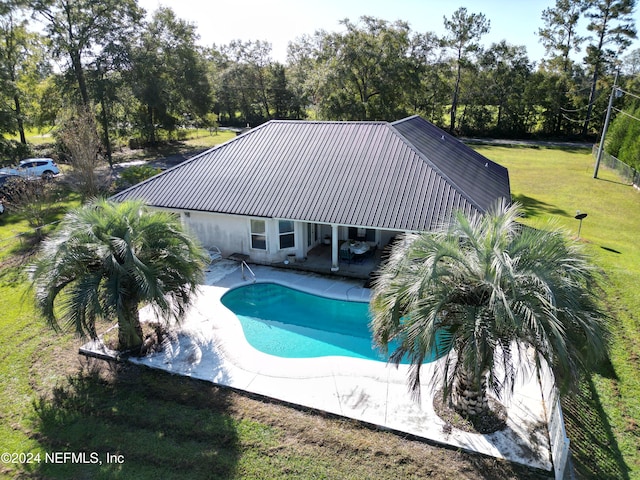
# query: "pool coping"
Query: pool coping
{"points": [[209, 345]]}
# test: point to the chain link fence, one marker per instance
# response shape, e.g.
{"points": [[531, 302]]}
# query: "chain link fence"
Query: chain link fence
{"points": [[627, 173]]}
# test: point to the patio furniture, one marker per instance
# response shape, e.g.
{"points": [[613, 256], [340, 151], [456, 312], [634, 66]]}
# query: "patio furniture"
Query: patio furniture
{"points": [[346, 255], [357, 250], [214, 253], [355, 247]]}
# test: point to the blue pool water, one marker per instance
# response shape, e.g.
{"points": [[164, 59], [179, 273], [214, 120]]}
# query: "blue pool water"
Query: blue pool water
{"points": [[289, 323]]}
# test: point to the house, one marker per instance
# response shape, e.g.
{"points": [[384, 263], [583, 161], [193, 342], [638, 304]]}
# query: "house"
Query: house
{"points": [[283, 188]]}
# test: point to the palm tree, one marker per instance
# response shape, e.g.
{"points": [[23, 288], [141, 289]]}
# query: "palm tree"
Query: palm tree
{"points": [[108, 259], [490, 290]]}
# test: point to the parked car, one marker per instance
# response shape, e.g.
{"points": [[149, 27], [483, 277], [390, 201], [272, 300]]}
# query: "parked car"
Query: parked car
{"points": [[34, 168]]}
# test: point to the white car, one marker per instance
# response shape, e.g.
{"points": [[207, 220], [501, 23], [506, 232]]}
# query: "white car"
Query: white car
{"points": [[33, 168]]}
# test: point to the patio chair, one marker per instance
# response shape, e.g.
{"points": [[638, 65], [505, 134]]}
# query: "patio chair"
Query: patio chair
{"points": [[214, 253], [346, 255]]}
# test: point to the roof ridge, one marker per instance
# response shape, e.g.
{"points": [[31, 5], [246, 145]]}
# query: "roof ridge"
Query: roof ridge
{"points": [[435, 168], [339, 122]]}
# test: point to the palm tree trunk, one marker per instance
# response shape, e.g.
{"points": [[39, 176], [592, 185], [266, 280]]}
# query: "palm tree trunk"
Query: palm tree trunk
{"points": [[469, 397], [129, 328]]}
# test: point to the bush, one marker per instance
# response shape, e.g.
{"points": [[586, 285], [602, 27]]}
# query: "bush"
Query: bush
{"points": [[622, 139], [33, 200]]}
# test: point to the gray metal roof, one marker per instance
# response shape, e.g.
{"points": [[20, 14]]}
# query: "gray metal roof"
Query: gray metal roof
{"points": [[480, 179], [367, 174]]}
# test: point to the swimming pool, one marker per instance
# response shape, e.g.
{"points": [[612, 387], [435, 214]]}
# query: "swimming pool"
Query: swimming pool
{"points": [[289, 323]]}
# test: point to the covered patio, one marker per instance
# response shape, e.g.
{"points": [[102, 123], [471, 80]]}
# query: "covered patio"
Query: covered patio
{"points": [[319, 260]]}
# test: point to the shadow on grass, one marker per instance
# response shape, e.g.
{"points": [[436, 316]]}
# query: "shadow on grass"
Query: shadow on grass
{"points": [[163, 426], [594, 449], [617, 182], [28, 240], [532, 207]]}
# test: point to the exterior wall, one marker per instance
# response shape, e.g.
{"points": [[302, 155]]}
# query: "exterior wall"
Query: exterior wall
{"points": [[232, 234]]}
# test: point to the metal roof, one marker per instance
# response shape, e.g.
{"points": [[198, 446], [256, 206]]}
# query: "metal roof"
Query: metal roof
{"points": [[399, 176]]}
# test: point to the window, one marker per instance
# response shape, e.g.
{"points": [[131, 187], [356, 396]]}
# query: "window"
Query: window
{"points": [[287, 237], [258, 234]]}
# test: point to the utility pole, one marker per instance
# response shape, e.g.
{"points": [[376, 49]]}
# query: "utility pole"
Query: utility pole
{"points": [[606, 126]]}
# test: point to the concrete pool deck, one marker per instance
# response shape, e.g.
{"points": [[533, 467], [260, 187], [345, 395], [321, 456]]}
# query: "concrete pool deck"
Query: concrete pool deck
{"points": [[210, 345]]}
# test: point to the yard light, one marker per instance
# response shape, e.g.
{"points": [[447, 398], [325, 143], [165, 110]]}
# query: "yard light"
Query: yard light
{"points": [[580, 216]]}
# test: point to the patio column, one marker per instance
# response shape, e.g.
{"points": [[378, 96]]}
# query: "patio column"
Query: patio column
{"points": [[334, 248]]}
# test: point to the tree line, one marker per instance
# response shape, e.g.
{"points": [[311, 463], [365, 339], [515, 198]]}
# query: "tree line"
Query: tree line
{"points": [[144, 79]]}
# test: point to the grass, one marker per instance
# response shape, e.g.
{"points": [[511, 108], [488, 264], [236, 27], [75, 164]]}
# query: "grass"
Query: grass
{"points": [[189, 139], [169, 426], [552, 184], [195, 140], [35, 136]]}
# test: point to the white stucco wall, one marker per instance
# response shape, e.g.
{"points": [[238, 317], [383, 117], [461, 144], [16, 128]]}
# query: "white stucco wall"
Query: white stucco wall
{"points": [[232, 234]]}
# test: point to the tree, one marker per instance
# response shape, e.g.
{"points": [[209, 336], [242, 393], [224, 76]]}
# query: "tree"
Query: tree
{"points": [[362, 73], [245, 78], [492, 289], [631, 63], [79, 138], [283, 99], [83, 28], [12, 34], [559, 35], [168, 75], [508, 72], [427, 89], [21, 68], [560, 39], [108, 259], [305, 73], [464, 32], [613, 25]]}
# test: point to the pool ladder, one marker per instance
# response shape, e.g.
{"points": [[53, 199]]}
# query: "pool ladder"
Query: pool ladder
{"points": [[243, 265]]}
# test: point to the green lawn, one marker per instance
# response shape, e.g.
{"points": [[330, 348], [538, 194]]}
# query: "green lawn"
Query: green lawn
{"points": [[168, 426], [35, 136], [552, 184]]}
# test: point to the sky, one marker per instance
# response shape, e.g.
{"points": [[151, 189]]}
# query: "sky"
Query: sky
{"points": [[282, 21]]}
